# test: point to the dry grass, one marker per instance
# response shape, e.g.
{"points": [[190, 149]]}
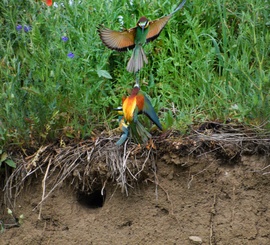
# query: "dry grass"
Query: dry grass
{"points": [[226, 141], [91, 164], [87, 165]]}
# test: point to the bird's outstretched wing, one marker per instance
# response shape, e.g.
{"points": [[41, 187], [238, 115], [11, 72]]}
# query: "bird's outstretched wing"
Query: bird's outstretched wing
{"points": [[118, 40], [181, 5], [156, 26]]}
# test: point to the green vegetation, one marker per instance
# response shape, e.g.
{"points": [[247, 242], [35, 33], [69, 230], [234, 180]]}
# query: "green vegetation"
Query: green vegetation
{"points": [[4, 160], [211, 62]]}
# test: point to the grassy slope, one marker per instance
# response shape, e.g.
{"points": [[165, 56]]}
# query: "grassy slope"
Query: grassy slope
{"points": [[211, 62]]}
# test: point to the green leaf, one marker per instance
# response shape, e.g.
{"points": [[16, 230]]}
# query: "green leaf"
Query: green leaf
{"points": [[10, 163], [3, 157], [31, 90], [103, 73]]}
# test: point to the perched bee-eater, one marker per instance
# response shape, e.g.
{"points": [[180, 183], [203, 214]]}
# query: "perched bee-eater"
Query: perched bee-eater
{"points": [[135, 130], [125, 131], [133, 105], [135, 38], [137, 103]]}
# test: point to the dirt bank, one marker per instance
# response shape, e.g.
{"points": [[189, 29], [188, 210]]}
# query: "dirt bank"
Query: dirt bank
{"points": [[221, 198]]}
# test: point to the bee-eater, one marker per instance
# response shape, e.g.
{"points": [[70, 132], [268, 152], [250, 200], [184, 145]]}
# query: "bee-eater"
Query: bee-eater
{"points": [[138, 103], [133, 105], [125, 131], [135, 38], [135, 130]]}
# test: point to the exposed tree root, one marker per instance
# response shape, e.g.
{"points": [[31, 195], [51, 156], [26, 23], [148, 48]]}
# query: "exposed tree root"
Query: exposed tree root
{"points": [[91, 164]]}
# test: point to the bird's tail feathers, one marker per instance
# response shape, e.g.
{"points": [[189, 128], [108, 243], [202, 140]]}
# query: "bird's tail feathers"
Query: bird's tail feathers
{"points": [[137, 60], [139, 133]]}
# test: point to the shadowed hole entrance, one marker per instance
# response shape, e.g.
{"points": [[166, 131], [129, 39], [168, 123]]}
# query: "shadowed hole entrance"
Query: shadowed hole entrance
{"points": [[91, 200]]}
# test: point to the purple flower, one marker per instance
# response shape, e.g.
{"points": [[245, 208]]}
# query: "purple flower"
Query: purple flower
{"points": [[70, 55], [64, 38], [27, 28], [19, 27]]}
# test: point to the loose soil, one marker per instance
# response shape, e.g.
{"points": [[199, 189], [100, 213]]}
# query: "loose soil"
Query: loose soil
{"points": [[220, 198]]}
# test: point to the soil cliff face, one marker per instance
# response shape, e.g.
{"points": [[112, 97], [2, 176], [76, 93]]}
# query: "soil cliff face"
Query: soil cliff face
{"points": [[187, 196], [211, 187]]}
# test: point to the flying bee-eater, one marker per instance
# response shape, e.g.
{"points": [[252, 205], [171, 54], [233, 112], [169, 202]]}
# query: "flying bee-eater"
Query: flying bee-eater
{"points": [[135, 38]]}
